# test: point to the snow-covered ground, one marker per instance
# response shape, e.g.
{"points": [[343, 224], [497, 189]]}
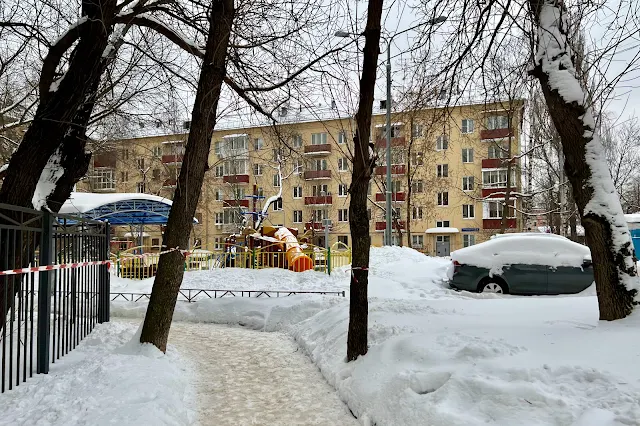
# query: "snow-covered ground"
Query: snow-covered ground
{"points": [[438, 357], [108, 379]]}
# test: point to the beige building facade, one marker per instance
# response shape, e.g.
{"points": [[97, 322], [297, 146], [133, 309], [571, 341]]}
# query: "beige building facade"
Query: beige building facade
{"points": [[450, 174]]}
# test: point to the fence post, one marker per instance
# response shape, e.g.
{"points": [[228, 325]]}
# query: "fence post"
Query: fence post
{"points": [[104, 287], [329, 260], [45, 284]]}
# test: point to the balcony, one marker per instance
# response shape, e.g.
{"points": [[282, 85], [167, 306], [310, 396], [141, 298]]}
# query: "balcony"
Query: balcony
{"points": [[105, 160], [397, 196], [169, 184], [397, 141], [486, 192], [235, 203], [496, 133], [236, 179], [381, 226], [172, 159], [398, 169], [316, 226], [324, 149], [497, 223], [317, 174], [318, 201]]}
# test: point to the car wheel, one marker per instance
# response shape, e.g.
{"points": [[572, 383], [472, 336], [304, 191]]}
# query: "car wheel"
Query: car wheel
{"points": [[493, 286]]}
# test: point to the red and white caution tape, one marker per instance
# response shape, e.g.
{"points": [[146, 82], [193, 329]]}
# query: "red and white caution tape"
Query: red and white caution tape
{"points": [[54, 267]]}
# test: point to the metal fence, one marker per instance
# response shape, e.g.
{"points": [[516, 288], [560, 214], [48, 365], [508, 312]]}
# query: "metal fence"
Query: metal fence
{"points": [[142, 262], [195, 294], [48, 312]]}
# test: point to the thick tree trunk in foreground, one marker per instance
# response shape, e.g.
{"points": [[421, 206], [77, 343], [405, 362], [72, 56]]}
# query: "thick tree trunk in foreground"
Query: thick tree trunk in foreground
{"points": [[58, 108], [361, 175], [157, 322], [593, 190]]}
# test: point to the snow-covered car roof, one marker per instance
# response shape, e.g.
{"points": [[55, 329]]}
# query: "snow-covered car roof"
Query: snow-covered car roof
{"points": [[527, 250]]}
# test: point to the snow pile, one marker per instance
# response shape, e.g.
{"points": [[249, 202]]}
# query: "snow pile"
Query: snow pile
{"points": [[52, 171], [108, 379], [474, 362], [395, 272], [554, 55], [529, 250]]}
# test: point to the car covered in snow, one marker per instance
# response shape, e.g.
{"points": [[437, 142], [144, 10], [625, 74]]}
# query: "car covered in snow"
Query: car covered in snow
{"points": [[523, 265]]}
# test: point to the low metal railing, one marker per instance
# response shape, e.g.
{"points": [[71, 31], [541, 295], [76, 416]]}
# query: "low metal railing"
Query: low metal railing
{"points": [[194, 294]]}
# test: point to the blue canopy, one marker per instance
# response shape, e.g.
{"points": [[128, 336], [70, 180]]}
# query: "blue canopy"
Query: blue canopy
{"points": [[119, 208]]}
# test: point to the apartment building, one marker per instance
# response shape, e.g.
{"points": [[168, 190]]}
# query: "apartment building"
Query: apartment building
{"points": [[450, 173]]}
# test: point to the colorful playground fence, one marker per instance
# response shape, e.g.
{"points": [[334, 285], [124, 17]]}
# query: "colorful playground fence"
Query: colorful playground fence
{"points": [[130, 263]]}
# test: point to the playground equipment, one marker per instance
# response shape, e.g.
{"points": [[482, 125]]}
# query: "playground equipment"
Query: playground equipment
{"points": [[298, 261]]}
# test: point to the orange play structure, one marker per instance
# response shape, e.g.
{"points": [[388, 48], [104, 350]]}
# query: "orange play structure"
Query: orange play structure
{"points": [[297, 260]]}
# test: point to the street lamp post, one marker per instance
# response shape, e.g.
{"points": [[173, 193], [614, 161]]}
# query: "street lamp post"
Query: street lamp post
{"points": [[389, 193]]}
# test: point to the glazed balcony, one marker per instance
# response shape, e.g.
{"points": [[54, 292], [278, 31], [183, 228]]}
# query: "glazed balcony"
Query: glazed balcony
{"points": [[318, 201], [317, 174]]}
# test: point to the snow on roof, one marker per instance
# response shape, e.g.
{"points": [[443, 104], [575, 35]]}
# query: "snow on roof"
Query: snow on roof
{"points": [[380, 126], [444, 230], [135, 234], [235, 135], [173, 142], [82, 202], [529, 250]]}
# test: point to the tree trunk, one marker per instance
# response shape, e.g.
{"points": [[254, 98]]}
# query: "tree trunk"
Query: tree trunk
{"points": [[600, 212], [58, 108], [361, 175], [167, 283]]}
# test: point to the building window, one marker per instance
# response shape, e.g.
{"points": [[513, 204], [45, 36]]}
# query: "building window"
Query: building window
{"points": [[467, 183], [442, 170], [396, 186], [257, 169], [417, 187], [155, 242], [104, 179], [319, 215], [493, 209], [416, 130], [468, 211], [443, 198], [343, 215], [258, 143], [318, 139], [416, 213], [124, 176], [342, 190], [297, 192], [369, 214], [417, 159], [276, 180], [467, 125], [497, 151], [369, 189], [497, 122], [219, 170], [417, 241], [297, 166], [218, 194], [467, 155], [320, 190], [297, 141], [199, 217], [235, 167], [157, 151], [442, 143], [156, 173], [342, 138], [124, 154], [496, 178], [277, 205], [278, 154], [442, 224], [343, 164], [297, 216], [468, 240], [217, 243], [343, 239], [319, 165], [219, 218], [140, 187], [140, 163]]}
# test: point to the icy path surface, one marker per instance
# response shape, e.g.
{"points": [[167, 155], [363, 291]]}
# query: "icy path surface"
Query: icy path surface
{"points": [[246, 377]]}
